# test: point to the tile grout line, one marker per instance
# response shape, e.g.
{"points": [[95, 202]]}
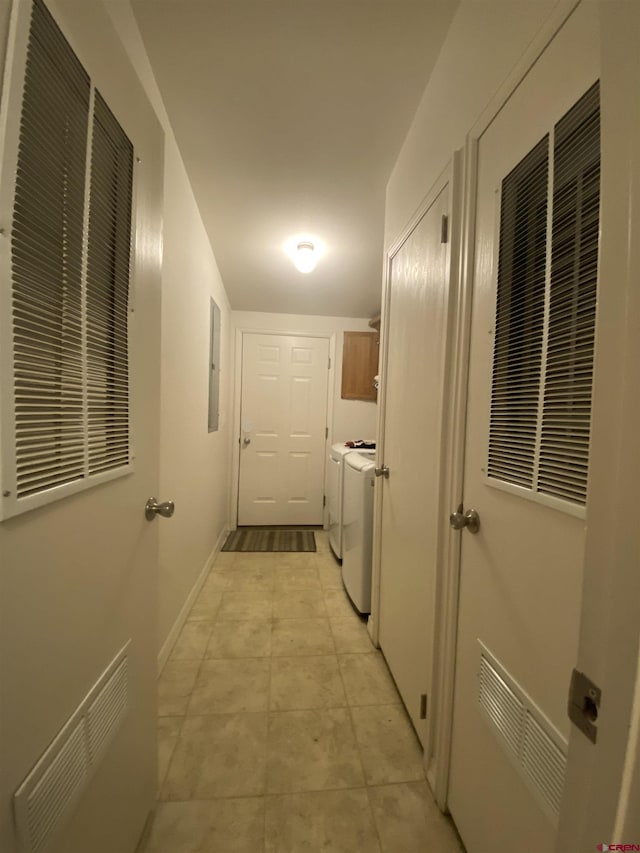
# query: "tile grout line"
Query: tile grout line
{"points": [[161, 782], [369, 788], [268, 737], [184, 716], [270, 710], [357, 743], [364, 776], [309, 791]]}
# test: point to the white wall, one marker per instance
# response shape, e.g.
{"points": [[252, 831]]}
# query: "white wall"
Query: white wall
{"points": [[486, 39], [352, 419], [194, 464]]}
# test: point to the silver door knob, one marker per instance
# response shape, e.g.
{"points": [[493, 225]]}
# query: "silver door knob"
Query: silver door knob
{"points": [[383, 471], [469, 519], [246, 442], [153, 508]]}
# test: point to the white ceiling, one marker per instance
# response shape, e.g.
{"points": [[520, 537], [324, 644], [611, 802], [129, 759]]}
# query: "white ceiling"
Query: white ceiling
{"points": [[289, 115]]}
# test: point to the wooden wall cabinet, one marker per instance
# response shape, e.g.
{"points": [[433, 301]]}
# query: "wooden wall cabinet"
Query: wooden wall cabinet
{"points": [[359, 365]]}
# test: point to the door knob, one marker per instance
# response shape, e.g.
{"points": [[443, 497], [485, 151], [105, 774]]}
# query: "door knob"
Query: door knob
{"points": [[246, 441], [469, 519], [383, 471], [153, 508]]}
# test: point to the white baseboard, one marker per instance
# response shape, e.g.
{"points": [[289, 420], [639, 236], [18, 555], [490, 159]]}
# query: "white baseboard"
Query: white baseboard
{"points": [[174, 633]]}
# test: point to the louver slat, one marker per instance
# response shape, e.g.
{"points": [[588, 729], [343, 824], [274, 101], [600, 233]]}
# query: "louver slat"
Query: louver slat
{"points": [[46, 256], [70, 258], [517, 360], [541, 391], [108, 292], [574, 273]]}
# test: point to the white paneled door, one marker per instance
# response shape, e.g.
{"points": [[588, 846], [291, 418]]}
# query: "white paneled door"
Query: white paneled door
{"points": [[416, 323], [283, 427], [527, 438]]}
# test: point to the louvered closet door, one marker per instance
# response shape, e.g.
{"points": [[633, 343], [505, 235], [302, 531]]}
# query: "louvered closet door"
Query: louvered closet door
{"points": [[526, 462], [79, 559]]}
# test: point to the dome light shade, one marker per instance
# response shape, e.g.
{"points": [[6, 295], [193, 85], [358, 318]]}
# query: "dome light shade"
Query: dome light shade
{"points": [[305, 251], [305, 258]]}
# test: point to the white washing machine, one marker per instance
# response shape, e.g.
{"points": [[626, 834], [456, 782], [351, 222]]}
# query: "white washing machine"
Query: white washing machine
{"points": [[357, 529], [335, 489]]}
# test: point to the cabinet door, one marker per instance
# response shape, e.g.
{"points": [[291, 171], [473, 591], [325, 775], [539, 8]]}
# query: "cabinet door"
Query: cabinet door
{"points": [[359, 365]]}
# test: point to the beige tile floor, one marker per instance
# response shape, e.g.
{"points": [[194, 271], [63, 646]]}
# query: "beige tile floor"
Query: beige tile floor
{"points": [[280, 729]]}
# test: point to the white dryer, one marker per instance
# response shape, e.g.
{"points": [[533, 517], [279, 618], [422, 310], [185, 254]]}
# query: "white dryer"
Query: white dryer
{"points": [[335, 488], [357, 529]]}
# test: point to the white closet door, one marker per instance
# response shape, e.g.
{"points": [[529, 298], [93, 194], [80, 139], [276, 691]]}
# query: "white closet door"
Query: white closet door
{"points": [[525, 464], [413, 398]]}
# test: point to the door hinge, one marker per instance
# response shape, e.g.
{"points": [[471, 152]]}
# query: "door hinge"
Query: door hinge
{"points": [[584, 704], [324, 500], [326, 432], [423, 706], [329, 364], [444, 229]]}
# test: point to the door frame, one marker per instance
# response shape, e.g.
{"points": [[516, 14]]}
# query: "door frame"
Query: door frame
{"points": [[240, 332]]}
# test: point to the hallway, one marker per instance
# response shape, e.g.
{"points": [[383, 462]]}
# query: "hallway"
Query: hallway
{"points": [[280, 729]]}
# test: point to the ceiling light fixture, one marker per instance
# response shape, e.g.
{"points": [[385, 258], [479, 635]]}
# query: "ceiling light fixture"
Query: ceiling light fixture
{"points": [[305, 258], [305, 251]]}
